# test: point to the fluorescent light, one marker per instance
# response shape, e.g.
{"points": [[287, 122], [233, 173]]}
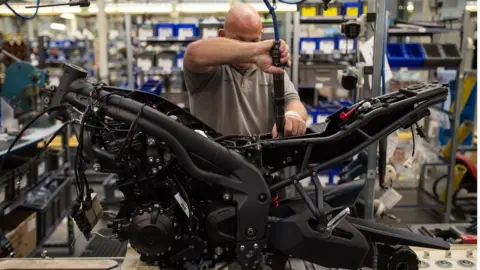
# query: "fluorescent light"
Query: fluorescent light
{"points": [[58, 26], [67, 16], [410, 6]]}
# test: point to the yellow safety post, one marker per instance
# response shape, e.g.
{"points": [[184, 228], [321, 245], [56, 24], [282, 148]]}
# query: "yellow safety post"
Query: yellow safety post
{"points": [[468, 85], [460, 171], [465, 129]]}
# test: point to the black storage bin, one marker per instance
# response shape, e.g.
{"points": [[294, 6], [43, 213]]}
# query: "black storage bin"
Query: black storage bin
{"points": [[55, 159], [24, 177], [39, 169], [441, 55], [51, 210], [451, 55], [6, 187]]}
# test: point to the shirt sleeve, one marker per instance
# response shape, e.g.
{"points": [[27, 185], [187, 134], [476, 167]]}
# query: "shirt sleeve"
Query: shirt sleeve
{"points": [[290, 91], [196, 82]]}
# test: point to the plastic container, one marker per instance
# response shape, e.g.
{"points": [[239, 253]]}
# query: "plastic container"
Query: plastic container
{"points": [[55, 159], [165, 30], [166, 60], [309, 45], [334, 9], [326, 45], [353, 9], [185, 31], [395, 54], [452, 56], [414, 53], [433, 55], [153, 87], [54, 205], [343, 44], [6, 187], [405, 55], [179, 60]]}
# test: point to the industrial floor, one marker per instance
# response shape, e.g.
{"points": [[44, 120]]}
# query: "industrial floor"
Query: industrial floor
{"points": [[404, 216]]}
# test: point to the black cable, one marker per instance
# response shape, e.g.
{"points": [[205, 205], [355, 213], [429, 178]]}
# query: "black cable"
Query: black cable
{"points": [[19, 135], [77, 156], [131, 130]]}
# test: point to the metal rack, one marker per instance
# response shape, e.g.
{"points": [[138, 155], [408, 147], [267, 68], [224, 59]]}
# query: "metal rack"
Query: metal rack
{"points": [[429, 201], [32, 139]]}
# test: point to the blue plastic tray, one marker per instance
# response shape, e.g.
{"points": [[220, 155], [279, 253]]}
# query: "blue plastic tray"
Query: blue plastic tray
{"points": [[304, 40], [405, 55]]}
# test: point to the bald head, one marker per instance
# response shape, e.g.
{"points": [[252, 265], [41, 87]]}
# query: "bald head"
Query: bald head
{"points": [[242, 23]]}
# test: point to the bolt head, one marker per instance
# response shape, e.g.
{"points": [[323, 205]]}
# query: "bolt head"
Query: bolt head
{"points": [[154, 171], [255, 246], [242, 248], [150, 159], [226, 196]]}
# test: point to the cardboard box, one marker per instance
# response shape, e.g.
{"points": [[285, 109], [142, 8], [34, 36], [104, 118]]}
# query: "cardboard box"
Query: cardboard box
{"points": [[21, 230]]}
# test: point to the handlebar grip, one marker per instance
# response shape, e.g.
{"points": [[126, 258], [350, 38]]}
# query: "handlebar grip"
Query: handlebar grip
{"points": [[276, 56]]}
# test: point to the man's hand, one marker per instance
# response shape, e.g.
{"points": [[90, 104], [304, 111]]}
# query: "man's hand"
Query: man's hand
{"points": [[263, 58], [294, 125]]}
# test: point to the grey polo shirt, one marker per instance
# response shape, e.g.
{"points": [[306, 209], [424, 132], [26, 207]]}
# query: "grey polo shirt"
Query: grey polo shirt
{"points": [[234, 102]]}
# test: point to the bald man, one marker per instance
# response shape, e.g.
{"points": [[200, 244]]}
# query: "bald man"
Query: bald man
{"points": [[230, 83]]}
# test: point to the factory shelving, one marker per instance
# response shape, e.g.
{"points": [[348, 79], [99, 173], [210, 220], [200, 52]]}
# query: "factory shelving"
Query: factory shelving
{"points": [[45, 215], [455, 115], [167, 39], [420, 31], [325, 19]]}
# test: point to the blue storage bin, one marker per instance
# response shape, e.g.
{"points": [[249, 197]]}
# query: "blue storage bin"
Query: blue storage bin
{"points": [[395, 54], [308, 43], [415, 55], [327, 44], [153, 87], [351, 44], [165, 30], [179, 60], [405, 55], [184, 30]]}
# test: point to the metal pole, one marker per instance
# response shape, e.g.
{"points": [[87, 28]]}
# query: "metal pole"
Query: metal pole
{"points": [[295, 49], [128, 39], [379, 43], [467, 33], [288, 36], [102, 40], [41, 52]]}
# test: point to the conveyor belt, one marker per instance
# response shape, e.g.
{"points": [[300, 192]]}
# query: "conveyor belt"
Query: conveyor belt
{"points": [[104, 247]]}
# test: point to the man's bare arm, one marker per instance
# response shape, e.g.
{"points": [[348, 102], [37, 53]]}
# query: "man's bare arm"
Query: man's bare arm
{"points": [[297, 106], [201, 56]]}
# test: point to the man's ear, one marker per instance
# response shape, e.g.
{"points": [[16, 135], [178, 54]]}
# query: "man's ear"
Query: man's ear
{"points": [[221, 32]]}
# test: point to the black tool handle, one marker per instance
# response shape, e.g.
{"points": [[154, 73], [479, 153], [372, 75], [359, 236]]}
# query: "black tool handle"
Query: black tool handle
{"points": [[278, 90]]}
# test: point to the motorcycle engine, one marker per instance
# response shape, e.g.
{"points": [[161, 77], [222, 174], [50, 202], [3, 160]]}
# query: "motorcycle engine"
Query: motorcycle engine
{"points": [[166, 215]]}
